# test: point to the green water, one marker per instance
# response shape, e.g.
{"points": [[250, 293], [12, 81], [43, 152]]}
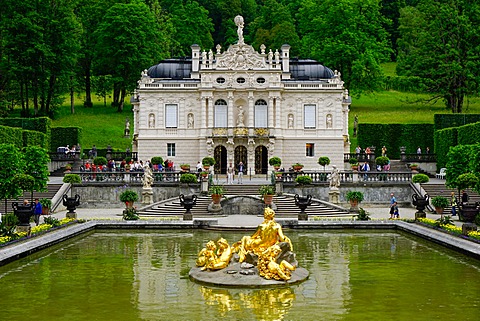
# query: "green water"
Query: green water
{"points": [[143, 275]]}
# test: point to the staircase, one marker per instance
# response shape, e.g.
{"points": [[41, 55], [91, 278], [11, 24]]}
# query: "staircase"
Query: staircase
{"points": [[285, 205], [441, 190], [52, 189]]}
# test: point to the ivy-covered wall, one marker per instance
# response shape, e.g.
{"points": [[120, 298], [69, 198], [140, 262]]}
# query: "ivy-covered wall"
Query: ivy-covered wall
{"points": [[11, 135], [63, 136], [394, 136], [444, 139]]}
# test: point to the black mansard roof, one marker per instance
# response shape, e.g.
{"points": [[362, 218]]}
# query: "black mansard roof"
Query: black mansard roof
{"points": [[180, 68]]}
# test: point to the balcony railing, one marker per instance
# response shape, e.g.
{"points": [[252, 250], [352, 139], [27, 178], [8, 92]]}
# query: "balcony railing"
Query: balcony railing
{"points": [[132, 177], [408, 158], [350, 177], [241, 131]]}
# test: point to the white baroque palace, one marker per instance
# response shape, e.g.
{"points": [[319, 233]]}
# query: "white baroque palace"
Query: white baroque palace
{"points": [[241, 105]]}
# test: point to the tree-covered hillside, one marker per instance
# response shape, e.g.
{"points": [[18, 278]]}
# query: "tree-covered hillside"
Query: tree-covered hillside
{"points": [[50, 50]]}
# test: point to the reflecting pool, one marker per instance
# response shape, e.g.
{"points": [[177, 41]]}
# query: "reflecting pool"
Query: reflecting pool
{"points": [[143, 275]]}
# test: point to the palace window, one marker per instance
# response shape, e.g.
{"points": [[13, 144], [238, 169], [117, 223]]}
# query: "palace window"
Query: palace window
{"points": [[261, 80], [241, 80], [171, 115], [309, 150], [220, 80], [310, 116], [261, 114], [221, 113], [170, 149]]}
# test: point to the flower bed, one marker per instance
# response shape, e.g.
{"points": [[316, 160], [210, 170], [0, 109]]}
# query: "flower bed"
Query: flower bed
{"points": [[450, 229], [36, 230]]}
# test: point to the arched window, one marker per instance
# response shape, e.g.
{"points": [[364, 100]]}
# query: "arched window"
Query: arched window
{"points": [[221, 113], [261, 114]]}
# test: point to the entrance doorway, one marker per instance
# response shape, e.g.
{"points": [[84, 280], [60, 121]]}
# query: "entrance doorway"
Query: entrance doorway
{"points": [[220, 155], [241, 156], [261, 160]]}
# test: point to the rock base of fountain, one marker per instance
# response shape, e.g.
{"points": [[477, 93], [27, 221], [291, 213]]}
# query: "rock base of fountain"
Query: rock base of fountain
{"points": [[237, 276]]}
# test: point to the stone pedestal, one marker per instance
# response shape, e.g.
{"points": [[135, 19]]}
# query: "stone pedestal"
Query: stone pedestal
{"points": [[147, 196], [24, 229], [279, 187], [420, 215], [302, 216], [333, 195], [204, 185], [468, 227], [71, 215], [214, 208], [187, 216]]}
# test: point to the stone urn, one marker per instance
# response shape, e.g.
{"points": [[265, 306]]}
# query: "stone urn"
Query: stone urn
{"points": [[71, 204], [302, 202], [23, 213], [188, 202], [420, 202], [469, 211]]}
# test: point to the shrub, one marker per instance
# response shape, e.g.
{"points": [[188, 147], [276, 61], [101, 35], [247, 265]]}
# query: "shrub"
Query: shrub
{"points": [[188, 178], [467, 180], [303, 180], [130, 214], [45, 202], [216, 190], [354, 196], [363, 215], [100, 160], [440, 201], [72, 179], [323, 161], [128, 195], [420, 178], [156, 160], [208, 161], [275, 161], [382, 160], [53, 221], [266, 190], [353, 161]]}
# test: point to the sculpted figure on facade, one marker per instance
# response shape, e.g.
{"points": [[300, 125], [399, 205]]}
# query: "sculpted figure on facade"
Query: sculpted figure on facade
{"points": [[290, 121], [151, 121], [329, 121], [190, 122], [147, 178], [334, 178], [241, 117], [209, 147], [239, 22]]}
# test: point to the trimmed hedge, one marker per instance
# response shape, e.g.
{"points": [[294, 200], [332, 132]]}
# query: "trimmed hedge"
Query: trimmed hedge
{"points": [[394, 136], [468, 134], [444, 139], [442, 121], [40, 124], [11, 135], [34, 138], [63, 136]]}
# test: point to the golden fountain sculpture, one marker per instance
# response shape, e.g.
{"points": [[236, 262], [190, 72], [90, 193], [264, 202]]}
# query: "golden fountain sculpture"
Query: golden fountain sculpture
{"points": [[268, 249]]}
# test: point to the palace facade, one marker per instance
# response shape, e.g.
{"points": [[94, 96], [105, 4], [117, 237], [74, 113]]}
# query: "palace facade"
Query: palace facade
{"points": [[240, 105]]}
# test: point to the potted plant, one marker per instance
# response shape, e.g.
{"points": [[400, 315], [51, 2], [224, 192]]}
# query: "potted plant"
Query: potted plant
{"points": [[323, 161], [188, 178], [303, 180], [353, 163], [275, 161], [68, 168], [156, 160], [413, 167], [297, 167], [440, 202], [128, 197], [46, 205], [185, 167], [208, 161], [204, 174], [217, 192], [267, 192], [468, 210], [100, 160], [354, 197], [72, 179], [382, 160]]}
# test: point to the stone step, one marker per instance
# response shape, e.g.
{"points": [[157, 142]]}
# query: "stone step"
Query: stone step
{"points": [[52, 189]]}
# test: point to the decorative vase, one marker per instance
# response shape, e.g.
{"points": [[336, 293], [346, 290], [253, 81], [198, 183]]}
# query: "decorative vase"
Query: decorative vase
{"points": [[206, 167], [439, 210], [268, 199], [297, 168], [469, 212], [129, 204], [216, 198], [45, 210]]}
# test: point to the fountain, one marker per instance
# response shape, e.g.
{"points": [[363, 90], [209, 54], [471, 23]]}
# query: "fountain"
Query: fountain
{"points": [[264, 259]]}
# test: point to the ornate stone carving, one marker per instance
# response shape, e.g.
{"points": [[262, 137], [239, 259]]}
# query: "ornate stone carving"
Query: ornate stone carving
{"points": [[261, 132], [240, 131], [219, 131], [240, 57]]}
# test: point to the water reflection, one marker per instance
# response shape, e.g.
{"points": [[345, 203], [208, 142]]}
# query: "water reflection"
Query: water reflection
{"points": [[266, 304]]}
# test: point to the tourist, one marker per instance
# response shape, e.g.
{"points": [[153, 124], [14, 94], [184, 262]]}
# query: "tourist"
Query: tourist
{"points": [[199, 167], [38, 211], [453, 203], [427, 150], [393, 201], [419, 150], [365, 168], [240, 173], [465, 197], [384, 151], [230, 172], [396, 213], [368, 151]]}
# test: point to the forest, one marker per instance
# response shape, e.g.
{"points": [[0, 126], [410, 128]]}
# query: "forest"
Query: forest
{"points": [[50, 50]]}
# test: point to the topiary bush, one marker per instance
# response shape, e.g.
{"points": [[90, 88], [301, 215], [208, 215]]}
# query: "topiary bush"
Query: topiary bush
{"points": [[72, 179], [303, 180], [275, 161], [208, 161], [100, 160], [156, 160], [420, 178], [188, 178]]}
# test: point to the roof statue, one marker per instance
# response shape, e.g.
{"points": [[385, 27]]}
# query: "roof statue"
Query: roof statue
{"points": [[239, 22]]}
